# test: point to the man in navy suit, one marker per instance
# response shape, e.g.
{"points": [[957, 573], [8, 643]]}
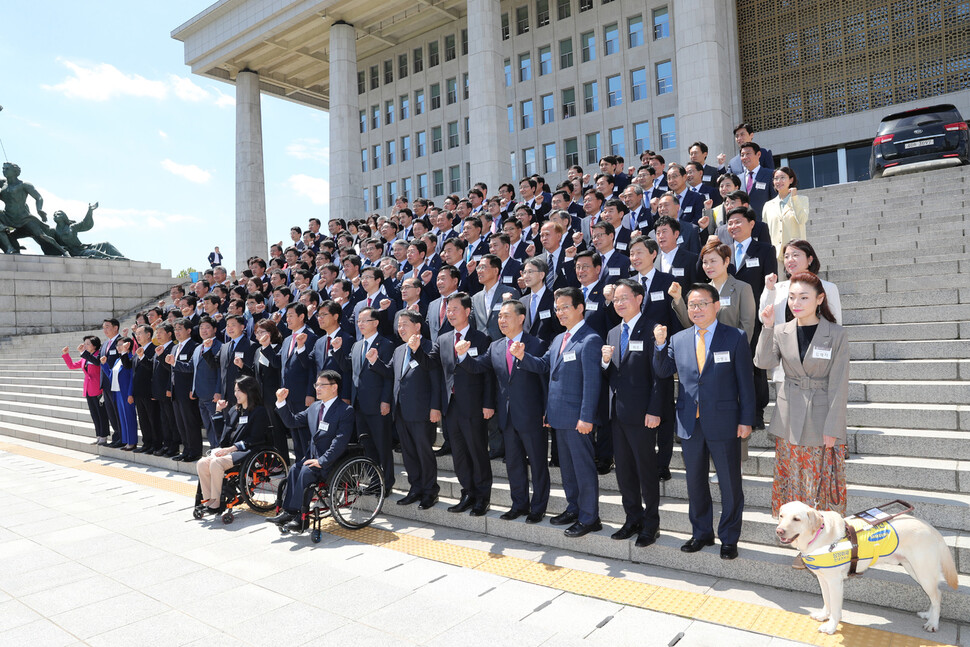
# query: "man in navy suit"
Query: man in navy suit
{"points": [[688, 235], [372, 282], [205, 380], [589, 271], [188, 420], [540, 207], [520, 397], [715, 410], [297, 371], [562, 273], [756, 179], [742, 135], [162, 390], [500, 245], [656, 301], [239, 346], [447, 282], [540, 303], [673, 259], [517, 244], [331, 424], [417, 411], [477, 241], [616, 265], [698, 153], [639, 403], [111, 330], [690, 205], [324, 356], [572, 364]]}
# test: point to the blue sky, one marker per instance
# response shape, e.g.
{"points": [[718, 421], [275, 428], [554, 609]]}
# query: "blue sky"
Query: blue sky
{"points": [[98, 105]]}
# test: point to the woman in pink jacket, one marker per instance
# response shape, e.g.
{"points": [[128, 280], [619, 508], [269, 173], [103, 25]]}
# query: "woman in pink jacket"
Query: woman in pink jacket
{"points": [[92, 386]]}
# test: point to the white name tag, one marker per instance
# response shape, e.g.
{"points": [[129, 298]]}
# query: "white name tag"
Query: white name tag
{"points": [[240, 355], [263, 360], [476, 258], [636, 346], [753, 262], [183, 357], [324, 426], [706, 178], [656, 296], [680, 240], [689, 209], [822, 353], [507, 279], [496, 307], [592, 307], [760, 185], [722, 356], [473, 351], [725, 302], [413, 363], [544, 314], [243, 420], [112, 352], [677, 271], [614, 271], [570, 356], [621, 246]]}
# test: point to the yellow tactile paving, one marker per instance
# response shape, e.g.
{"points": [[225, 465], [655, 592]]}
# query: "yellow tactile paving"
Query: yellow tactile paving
{"points": [[741, 615]]}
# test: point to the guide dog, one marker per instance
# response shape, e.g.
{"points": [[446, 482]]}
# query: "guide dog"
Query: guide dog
{"points": [[921, 550]]}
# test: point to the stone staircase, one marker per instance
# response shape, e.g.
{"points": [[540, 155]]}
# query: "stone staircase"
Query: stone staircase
{"points": [[884, 243]]}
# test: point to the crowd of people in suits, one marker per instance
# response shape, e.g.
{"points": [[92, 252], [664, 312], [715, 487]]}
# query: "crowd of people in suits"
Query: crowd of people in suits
{"points": [[614, 315]]}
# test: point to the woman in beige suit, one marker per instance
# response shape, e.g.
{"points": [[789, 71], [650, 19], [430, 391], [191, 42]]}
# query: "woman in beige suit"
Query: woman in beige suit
{"points": [[810, 409], [738, 308], [787, 213]]}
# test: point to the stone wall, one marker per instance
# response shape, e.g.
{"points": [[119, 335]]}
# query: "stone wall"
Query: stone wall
{"points": [[44, 294]]}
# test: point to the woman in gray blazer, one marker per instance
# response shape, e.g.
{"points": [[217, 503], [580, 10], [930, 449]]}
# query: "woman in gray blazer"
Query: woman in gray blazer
{"points": [[810, 410]]}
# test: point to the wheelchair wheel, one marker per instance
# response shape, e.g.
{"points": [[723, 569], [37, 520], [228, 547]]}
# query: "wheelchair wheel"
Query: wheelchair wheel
{"points": [[197, 512], [356, 492], [260, 477], [315, 536], [228, 517]]}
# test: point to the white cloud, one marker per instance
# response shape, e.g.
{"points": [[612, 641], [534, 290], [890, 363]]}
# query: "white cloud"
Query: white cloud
{"points": [[317, 189], [186, 90], [190, 172], [111, 218], [163, 134], [225, 100], [309, 149]]}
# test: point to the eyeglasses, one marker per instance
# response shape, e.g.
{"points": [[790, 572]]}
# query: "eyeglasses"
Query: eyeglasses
{"points": [[622, 299], [698, 305], [564, 308], [320, 385]]}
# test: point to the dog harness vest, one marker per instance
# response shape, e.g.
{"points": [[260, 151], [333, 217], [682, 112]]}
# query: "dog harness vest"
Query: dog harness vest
{"points": [[870, 542]]}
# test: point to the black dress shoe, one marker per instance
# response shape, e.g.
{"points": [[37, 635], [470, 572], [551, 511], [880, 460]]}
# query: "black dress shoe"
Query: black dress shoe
{"points": [[409, 499], [190, 459], [281, 518], [535, 517], [694, 545], [171, 453], [161, 451], [480, 508], [428, 502], [116, 444], [141, 450], [178, 457], [579, 529], [729, 551], [603, 467], [553, 463], [495, 455], [444, 450], [627, 530], [647, 539], [297, 525], [463, 504], [665, 474], [564, 519], [513, 514], [397, 448]]}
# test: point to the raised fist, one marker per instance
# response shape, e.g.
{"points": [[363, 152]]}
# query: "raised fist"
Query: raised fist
{"points": [[607, 354], [660, 335], [414, 342], [301, 340], [768, 316], [170, 360], [207, 344], [462, 347], [385, 304], [471, 265], [770, 281], [608, 291], [721, 158], [704, 222], [281, 395], [675, 291], [336, 343], [65, 350], [238, 362], [517, 350], [530, 250], [221, 404], [578, 237], [426, 276], [371, 355]]}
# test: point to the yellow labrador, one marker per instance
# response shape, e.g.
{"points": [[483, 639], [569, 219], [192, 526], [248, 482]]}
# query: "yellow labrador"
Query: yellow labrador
{"points": [[921, 551]]}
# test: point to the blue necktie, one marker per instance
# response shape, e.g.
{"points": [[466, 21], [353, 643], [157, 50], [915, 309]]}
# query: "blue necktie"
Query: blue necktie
{"points": [[534, 303], [624, 340], [407, 359], [585, 290], [738, 255]]}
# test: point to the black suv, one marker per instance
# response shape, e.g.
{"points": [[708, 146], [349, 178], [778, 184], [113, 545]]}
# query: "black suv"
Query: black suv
{"points": [[920, 139]]}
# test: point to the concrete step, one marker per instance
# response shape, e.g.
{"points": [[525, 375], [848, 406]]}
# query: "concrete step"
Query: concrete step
{"points": [[911, 391], [910, 369], [906, 269], [901, 284], [903, 314], [848, 230], [943, 330], [939, 349], [874, 260]]}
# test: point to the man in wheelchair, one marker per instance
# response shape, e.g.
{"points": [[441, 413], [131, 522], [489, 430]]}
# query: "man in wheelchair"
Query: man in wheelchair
{"points": [[331, 423]]}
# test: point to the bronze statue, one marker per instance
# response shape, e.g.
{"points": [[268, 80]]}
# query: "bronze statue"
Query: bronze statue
{"points": [[16, 221], [66, 234]]}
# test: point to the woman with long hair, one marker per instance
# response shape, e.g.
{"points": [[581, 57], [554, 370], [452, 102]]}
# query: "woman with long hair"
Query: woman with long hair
{"points": [[267, 368], [787, 213]]}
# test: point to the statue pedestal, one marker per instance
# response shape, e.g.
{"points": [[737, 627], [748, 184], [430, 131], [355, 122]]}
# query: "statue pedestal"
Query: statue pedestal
{"points": [[46, 294]]}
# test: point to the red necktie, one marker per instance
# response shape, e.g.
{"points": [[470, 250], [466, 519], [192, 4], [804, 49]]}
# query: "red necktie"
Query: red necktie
{"points": [[565, 340], [326, 346], [508, 356], [369, 299], [457, 339], [292, 344], [441, 314]]}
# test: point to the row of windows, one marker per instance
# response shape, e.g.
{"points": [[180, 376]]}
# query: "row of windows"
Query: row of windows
{"points": [[402, 110], [592, 147], [387, 153], [664, 69], [416, 62], [540, 18]]}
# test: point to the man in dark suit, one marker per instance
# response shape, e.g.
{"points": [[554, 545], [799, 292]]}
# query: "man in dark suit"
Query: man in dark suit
{"points": [[511, 269], [205, 380], [417, 393], [372, 282], [162, 390], [468, 400], [477, 241], [674, 259], [447, 281], [518, 247], [331, 424], [616, 265], [561, 270], [325, 357], [688, 235], [715, 410], [589, 271], [742, 135], [540, 302], [528, 188], [520, 397], [111, 329], [141, 389], [571, 363], [690, 205], [639, 213], [656, 300], [756, 179], [698, 153], [341, 293], [188, 420], [487, 303], [639, 403], [215, 257], [372, 389], [297, 371], [237, 346]]}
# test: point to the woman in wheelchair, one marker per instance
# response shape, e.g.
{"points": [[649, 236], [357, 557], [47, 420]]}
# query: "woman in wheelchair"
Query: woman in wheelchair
{"points": [[242, 429]]}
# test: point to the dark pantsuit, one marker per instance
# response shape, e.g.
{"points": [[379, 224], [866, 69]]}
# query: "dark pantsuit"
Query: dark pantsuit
{"points": [[99, 415], [113, 419], [496, 439], [636, 474], [374, 431], [603, 442], [418, 454], [167, 424], [469, 448], [189, 423], [147, 410], [698, 452], [126, 415], [761, 396], [579, 477], [527, 449]]}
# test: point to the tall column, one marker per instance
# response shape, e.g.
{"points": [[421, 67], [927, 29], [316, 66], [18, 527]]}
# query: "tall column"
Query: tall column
{"points": [[250, 188], [708, 83], [346, 193], [488, 119]]}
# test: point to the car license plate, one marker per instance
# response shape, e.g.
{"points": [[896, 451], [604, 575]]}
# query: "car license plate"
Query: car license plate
{"points": [[918, 143]]}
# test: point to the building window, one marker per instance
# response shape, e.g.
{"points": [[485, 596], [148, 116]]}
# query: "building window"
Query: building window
{"points": [[451, 51], [433, 57], [565, 53], [614, 96], [542, 13], [568, 103], [421, 140], [525, 110], [661, 23], [389, 112], [641, 137], [419, 102], [468, 131], [391, 152], [511, 114], [435, 96], [439, 182], [454, 179], [464, 83], [548, 108], [634, 29], [363, 121], [525, 67], [436, 144], [406, 148], [545, 60], [366, 199], [571, 147], [505, 26], [591, 101], [451, 91], [665, 78], [585, 5], [363, 160], [588, 41], [453, 134], [388, 72], [668, 132], [528, 161], [638, 84], [464, 42], [378, 200], [549, 158], [422, 185], [617, 146], [563, 9], [375, 157], [406, 188], [417, 60], [361, 83], [521, 20], [375, 117], [508, 72], [611, 39], [592, 148], [391, 192], [405, 102], [375, 77], [402, 66]]}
